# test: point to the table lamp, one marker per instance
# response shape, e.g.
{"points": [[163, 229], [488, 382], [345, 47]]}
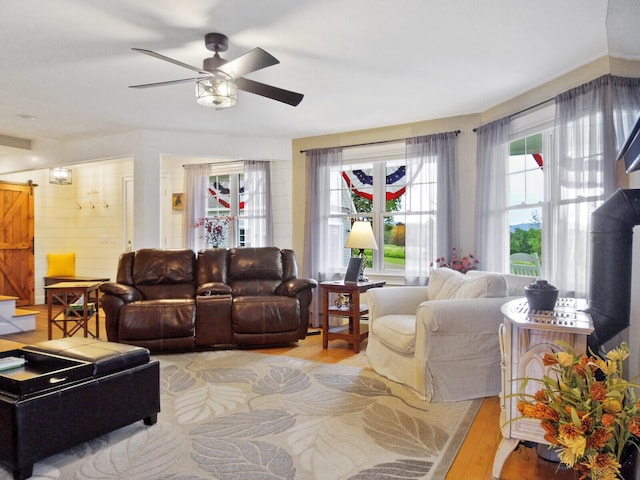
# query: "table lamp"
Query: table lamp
{"points": [[361, 237]]}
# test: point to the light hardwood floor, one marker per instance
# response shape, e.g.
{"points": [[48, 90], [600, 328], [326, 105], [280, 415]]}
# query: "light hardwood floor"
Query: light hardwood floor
{"points": [[475, 458]]}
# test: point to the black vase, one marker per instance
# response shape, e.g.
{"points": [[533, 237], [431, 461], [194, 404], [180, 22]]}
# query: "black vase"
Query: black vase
{"points": [[541, 295]]}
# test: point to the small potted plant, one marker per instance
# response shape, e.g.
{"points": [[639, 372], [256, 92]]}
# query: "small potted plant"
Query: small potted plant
{"points": [[459, 262], [589, 413]]}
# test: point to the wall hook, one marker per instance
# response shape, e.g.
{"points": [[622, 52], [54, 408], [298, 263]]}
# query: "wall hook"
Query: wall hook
{"points": [[106, 205], [79, 206], [91, 204]]}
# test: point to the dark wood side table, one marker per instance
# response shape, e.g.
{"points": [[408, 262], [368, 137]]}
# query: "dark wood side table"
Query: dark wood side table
{"points": [[61, 295], [354, 332]]}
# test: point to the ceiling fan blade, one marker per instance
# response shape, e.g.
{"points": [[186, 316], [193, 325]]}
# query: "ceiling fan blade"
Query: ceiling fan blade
{"points": [[251, 61], [171, 60], [274, 93], [161, 84]]}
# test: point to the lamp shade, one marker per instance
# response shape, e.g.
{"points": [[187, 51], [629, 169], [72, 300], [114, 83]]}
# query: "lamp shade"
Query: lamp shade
{"points": [[361, 236]]}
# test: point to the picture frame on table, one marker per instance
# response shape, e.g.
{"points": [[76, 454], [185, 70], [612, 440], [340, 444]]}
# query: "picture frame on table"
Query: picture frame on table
{"points": [[353, 270]]}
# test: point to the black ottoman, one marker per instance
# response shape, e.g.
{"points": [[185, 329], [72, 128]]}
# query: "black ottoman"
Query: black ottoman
{"points": [[119, 386]]}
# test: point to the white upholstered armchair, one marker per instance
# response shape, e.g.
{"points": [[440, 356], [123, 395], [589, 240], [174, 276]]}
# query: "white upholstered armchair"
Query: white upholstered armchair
{"points": [[442, 340]]}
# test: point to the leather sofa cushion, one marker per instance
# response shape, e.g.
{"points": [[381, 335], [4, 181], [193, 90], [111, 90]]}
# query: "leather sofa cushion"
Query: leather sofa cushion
{"points": [[167, 290], [265, 314], [397, 332], [446, 284], [212, 266], [153, 267], [153, 319], [243, 288], [255, 264]]}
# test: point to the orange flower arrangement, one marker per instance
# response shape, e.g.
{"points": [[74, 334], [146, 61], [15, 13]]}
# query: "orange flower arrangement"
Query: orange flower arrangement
{"points": [[587, 410]]}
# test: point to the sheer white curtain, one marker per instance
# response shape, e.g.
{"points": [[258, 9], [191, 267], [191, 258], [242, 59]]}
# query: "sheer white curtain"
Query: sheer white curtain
{"points": [[492, 196], [431, 207], [258, 217], [580, 175], [196, 192], [626, 107], [321, 261]]}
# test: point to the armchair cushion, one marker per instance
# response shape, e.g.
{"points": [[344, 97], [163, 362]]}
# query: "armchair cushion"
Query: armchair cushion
{"points": [[446, 284], [397, 332]]}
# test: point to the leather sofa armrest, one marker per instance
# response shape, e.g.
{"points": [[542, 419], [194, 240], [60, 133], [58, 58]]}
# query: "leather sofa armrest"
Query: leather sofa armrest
{"points": [[293, 287], [127, 293], [214, 288]]}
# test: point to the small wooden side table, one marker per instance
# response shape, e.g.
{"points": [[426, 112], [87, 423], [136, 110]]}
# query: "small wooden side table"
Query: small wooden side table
{"points": [[75, 278], [60, 296], [354, 332]]}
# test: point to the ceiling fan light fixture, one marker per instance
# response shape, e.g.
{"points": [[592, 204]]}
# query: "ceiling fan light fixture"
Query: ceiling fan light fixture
{"points": [[217, 90]]}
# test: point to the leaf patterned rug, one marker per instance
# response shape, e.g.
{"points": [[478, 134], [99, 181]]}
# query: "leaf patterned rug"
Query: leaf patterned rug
{"points": [[237, 415]]}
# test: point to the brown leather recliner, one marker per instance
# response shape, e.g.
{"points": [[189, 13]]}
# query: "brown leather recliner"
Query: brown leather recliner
{"points": [[174, 300]]}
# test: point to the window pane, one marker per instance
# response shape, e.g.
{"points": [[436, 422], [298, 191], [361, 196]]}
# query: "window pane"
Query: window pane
{"points": [[358, 182], [395, 186], [524, 225], [517, 182], [394, 245]]}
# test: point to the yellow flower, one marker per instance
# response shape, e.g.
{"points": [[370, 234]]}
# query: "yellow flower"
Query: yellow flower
{"points": [[618, 354], [607, 366], [576, 445], [612, 405], [567, 457], [565, 359], [603, 466]]}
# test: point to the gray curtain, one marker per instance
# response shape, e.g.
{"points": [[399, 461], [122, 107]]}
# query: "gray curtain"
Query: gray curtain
{"points": [[258, 211], [492, 196], [196, 192], [625, 93], [320, 260], [432, 214]]}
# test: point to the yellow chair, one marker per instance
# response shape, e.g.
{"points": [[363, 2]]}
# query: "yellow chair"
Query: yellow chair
{"points": [[525, 264]]}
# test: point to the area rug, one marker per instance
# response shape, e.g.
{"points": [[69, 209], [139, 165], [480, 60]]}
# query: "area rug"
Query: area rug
{"points": [[237, 415]]}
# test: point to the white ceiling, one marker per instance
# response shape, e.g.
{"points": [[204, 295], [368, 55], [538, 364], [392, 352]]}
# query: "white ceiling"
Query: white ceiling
{"points": [[360, 63]]}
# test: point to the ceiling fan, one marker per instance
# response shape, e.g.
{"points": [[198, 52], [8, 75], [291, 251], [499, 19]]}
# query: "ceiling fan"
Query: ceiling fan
{"points": [[218, 80]]}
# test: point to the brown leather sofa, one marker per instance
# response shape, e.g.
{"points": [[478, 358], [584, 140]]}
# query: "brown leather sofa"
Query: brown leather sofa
{"points": [[168, 300]]}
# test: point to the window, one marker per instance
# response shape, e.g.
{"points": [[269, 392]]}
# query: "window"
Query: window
{"points": [[226, 201], [526, 194], [371, 186]]}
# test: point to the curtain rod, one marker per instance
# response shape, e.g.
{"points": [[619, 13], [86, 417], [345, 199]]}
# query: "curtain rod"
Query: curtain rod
{"points": [[224, 162], [524, 110], [457, 132]]}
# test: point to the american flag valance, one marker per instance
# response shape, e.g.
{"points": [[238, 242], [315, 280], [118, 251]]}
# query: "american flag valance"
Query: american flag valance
{"points": [[360, 182]]}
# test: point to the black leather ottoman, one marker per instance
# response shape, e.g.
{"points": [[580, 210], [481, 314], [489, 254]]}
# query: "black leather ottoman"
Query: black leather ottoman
{"points": [[120, 387]]}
